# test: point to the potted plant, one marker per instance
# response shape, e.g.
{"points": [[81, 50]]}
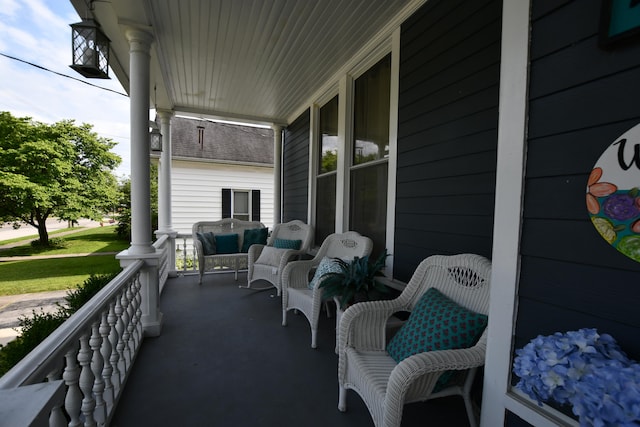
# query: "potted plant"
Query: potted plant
{"points": [[356, 280]]}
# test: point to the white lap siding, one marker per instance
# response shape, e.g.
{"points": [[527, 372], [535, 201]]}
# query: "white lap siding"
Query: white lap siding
{"points": [[196, 190]]}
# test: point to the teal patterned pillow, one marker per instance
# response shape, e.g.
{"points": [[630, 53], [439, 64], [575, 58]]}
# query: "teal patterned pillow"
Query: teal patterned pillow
{"points": [[208, 241], [227, 243], [254, 236], [437, 323], [287, 244], [327, 265]]}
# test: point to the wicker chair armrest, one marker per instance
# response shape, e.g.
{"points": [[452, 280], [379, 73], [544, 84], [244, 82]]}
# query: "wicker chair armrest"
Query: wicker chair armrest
{"points": [[296, 273], [287, 255], [420, 372], [254, 252], [199, 252], [362, 325]]}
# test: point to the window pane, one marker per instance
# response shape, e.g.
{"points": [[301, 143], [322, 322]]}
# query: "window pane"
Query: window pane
{"points": [[244, 217], [240, 202], [371, 113], [325, 207], [368, 209], [328, 136]]}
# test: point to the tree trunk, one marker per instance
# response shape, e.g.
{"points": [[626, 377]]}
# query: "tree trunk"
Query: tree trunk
{"points": [[42, 232]]}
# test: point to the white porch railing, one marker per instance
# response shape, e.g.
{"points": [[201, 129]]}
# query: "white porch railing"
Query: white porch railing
{"points": [[92, 353], [186, 257]]}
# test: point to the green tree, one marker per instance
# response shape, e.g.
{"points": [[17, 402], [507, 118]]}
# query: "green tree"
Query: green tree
{"points": [[60, 170], [124, 204]]}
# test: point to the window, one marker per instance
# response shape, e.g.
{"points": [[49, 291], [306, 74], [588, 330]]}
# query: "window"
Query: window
{"points": [[241, 204], [370, 145], [327, 165]]}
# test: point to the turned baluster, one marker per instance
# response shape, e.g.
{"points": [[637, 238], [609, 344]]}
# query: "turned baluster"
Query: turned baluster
{"points": [[73, 399], [131, 312], [120, 346], [97, 367], [106, 351], [56, 417], [86, 381], [124, 301], [138, 315]]}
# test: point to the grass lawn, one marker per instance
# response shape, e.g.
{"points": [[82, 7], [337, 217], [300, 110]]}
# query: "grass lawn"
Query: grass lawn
{"points": [[88, 240], [40, 275]]}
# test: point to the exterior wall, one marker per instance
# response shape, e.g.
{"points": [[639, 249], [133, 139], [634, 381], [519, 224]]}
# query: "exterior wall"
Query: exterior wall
{"points": [[295, 167], [196, 189], [447, 131], [581, 99]]}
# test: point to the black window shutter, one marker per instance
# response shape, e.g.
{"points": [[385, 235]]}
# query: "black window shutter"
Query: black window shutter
{"points": [[226, 203], [255, 205]]}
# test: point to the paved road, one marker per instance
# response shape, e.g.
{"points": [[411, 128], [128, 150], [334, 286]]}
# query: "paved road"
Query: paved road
{"points": [[15, 306], [7, 232]]}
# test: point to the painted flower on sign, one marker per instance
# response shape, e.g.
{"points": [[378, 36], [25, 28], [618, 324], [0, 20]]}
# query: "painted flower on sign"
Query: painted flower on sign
{"points": [[597, 189]]}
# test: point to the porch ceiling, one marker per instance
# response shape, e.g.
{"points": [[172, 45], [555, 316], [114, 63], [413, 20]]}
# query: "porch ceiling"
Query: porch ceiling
{"points": [[255, 60]]}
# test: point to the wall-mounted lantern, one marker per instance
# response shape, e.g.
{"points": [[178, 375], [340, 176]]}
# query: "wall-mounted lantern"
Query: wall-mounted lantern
{"points": [[155, 140], [90, 50]]}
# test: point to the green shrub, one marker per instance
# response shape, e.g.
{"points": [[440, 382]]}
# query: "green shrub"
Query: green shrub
{"points": [[34, 330], [84, 292], [54, 243], [40, 325]]}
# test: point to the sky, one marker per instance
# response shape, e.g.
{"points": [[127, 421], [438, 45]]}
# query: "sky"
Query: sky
{"points": [[38, 31]]}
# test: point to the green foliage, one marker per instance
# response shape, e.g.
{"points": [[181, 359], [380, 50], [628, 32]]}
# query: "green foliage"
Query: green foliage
{"points": [[35, 329], [40, 325], [83, 293], [356, 280], [54, 243], [60, 170], [329, 161], [124, 205]]}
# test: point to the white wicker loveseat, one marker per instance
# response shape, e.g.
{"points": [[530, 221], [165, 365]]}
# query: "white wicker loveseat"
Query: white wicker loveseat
{"points": [[227, 226]]}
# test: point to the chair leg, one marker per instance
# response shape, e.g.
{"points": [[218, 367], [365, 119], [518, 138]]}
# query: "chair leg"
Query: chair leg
{"points": [[342, 399], [466, 395], [314, 336], [284, 317], [470, 414]]}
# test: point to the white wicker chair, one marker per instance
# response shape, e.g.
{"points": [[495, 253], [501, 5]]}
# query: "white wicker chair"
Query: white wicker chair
{"points": [[293, 230], [386, 386], [295, 277]]}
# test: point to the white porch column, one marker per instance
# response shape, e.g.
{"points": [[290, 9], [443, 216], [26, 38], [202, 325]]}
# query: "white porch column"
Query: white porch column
{"points": [[164, 189], [164, 174], [139, 48], [277, 174], [141, 246]]}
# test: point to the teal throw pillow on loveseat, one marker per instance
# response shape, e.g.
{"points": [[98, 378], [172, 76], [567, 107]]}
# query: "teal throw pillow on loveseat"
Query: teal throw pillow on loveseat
{"points": [[227, 243], [208, 241], [254, 236]]}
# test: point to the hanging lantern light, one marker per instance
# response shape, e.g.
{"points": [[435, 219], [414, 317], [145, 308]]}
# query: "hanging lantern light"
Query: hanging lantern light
{"points": [[155, 140], [90, 50]]}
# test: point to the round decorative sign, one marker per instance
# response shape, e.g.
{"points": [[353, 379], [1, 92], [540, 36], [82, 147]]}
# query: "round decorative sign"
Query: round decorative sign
{"points": [[613, 194]]}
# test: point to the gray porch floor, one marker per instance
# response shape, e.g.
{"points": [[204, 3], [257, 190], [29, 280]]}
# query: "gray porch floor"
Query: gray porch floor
{"points": [[224, 359]]}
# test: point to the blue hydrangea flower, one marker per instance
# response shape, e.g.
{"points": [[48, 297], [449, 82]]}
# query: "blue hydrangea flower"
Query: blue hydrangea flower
{"points": [[586, 370]]}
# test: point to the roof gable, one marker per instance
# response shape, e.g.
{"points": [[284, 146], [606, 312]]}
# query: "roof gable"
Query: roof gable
{"points": [[203, 139]]}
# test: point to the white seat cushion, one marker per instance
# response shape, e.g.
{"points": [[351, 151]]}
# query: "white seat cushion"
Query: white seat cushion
{"points": [[270, 256]]}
